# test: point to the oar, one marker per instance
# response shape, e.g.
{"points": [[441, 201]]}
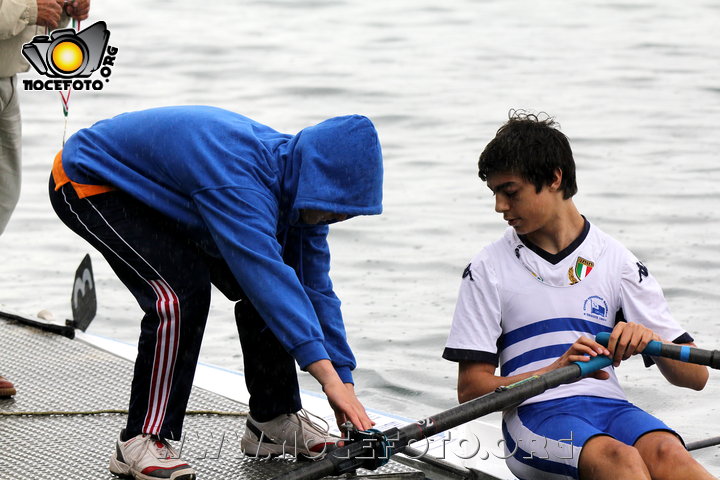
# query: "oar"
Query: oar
{"points": [[83, 302], [684, 353], [697, 445], [63, 330], [372, 449]]}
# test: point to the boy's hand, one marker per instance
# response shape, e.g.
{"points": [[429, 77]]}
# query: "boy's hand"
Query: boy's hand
{"points": [[582, 350], [627, 339], [341, 396], [347, 407]]}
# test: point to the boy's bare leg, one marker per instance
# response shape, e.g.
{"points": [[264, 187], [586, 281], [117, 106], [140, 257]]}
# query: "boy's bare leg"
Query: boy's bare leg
{"points": [[604, 458], [667, 458]]}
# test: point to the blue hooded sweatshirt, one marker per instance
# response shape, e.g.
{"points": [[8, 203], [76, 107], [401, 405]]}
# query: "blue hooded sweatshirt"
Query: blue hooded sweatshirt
{"points": [[237, 186]]}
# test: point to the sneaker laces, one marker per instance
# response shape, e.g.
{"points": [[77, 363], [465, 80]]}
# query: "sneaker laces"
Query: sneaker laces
{"points": [[315, 426], [305, 418], [163, 449]]}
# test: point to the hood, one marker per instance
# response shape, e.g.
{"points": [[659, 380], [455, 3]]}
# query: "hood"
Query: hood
{"points": [[337, 167]]}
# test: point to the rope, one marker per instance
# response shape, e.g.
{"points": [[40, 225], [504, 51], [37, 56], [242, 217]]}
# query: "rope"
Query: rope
{"points": [[66, 98], [112, 411]]}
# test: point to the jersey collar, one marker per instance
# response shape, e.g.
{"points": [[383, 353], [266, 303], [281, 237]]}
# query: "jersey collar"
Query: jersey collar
{"points": [[555, 258]]}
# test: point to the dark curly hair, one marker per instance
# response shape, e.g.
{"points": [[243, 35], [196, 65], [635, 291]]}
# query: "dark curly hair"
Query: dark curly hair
{"points": [[531, 146]]}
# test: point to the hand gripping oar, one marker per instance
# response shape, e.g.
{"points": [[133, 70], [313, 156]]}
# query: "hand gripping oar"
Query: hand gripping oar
{"points": [[373, 448], [684, 353]]}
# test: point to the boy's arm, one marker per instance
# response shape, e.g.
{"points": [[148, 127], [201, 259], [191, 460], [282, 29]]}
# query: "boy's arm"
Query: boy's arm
{"points": [[628, 339], [683, 374], [649, 318], [341, 396], [307, 250], [477, 378]]}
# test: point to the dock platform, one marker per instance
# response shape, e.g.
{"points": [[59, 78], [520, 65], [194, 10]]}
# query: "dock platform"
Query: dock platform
{"points": [[71, 404]]}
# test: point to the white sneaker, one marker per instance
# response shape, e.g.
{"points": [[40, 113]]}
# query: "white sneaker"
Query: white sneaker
{"points": [[147, 457], [292, 434]]}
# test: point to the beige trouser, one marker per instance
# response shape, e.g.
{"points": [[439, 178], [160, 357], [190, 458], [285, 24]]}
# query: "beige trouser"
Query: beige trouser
{"points": [[10, 149]]}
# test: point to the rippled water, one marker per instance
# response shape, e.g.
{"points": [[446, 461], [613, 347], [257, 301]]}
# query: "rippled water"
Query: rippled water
{"points": [[634, 84]]}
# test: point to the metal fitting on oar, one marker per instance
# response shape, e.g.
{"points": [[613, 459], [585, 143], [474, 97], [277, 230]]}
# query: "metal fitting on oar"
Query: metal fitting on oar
{"points": [[378, 447], [371, 447], [366, 449]]}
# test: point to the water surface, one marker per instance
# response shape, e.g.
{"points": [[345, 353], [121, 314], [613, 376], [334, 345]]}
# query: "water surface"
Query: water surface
{"points": [[634, 84]]}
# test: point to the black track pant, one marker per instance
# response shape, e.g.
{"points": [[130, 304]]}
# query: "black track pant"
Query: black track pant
{"points": [[171, 277]]}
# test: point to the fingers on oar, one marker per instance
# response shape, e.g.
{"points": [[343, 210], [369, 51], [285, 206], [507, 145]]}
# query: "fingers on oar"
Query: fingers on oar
{"points": [[585, 348], [359, 418]]}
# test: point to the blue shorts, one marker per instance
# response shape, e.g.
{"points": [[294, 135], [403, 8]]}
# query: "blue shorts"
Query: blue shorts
{"points": [[543, 440]]}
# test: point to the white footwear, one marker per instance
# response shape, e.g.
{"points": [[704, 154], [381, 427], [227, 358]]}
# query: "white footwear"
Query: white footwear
{"points": [[292, 434], [147, 457]]}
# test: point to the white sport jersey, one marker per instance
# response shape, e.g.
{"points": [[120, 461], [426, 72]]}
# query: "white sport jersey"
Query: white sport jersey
{"points": [[521, 308]]}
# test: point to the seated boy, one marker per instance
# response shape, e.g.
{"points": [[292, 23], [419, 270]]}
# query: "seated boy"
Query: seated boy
{"points": [[533, 301]]}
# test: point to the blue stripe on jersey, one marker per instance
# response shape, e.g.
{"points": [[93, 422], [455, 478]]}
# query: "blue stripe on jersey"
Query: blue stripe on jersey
{"points": [[542, 353], [551, 325], [535, 459], [563, 324]]}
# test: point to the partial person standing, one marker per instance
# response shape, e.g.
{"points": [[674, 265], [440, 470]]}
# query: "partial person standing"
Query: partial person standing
{"points": [[20, 21]]}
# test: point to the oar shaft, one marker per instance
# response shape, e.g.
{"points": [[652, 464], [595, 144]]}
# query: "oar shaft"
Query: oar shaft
{"points": [[353, 455], [684, 353], [63, 330], [708, 442], [502, 398]]}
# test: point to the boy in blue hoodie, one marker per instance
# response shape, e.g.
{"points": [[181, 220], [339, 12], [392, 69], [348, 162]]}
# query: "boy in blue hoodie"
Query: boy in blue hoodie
{"points": [[179, 198]]}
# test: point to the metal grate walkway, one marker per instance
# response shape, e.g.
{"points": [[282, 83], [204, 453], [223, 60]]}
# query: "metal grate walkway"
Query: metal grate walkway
{"points": [[56, 374]]}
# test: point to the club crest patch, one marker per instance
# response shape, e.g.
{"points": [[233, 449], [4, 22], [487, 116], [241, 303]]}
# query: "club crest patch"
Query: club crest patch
{"points": [[595, 307], [581, 270]]}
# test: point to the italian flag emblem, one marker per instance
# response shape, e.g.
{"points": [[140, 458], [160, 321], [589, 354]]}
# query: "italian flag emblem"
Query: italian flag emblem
{"points": [[583, 268]]}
